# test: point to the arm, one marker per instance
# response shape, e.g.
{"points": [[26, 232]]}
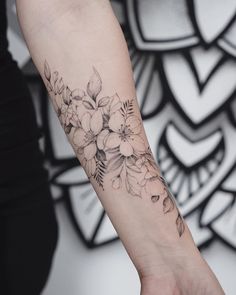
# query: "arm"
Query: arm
{"points": [[81, 54]]}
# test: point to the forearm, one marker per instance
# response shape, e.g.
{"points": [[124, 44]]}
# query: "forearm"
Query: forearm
{"points": [[94, 96]]}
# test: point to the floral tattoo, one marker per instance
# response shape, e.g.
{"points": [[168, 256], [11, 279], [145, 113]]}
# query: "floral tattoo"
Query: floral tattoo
{"points": [[107, 136]]}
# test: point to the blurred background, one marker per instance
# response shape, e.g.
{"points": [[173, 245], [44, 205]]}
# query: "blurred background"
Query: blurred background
{"points": [[184, 60]]}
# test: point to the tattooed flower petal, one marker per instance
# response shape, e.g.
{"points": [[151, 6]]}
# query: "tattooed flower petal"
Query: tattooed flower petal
{"points": [[66, 95], [115, 104], [49, 86], [90, 151], [63, 107], [90, 167], [139, 163], [83, 161], [67, 120], [153, 171], [101, 139], [60, 86], [101, 155], [113, 140], [79, 138], [134, 124], [96, 122], [148, 175], [115, 163], [77, 94], [54, 78], [133, 186], [155, 198], [74, 122], [58, 102], [89, 103], [116, 182], [152, 186], [126, 149], [168, 205], [137, 143], [85, 122], [116, 121], [95, 85], [115, 99], [103, 101]]}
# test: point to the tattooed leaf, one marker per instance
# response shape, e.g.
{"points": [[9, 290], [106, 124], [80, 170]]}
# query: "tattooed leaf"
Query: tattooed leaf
{"points": [[127, 108], [67, 96], [77, 94], [134, 168], [127, 185], [47, 71], [131, 160], [168, 205], [88, 105], [115, 163], [100, 172], [106, 120], [103, 101], [90, 167], [96, 122], [115, 104], [180, 225], [101, 138], [94, 86], [115, 150], [60, 86], [155, 198], [101, 155], [49, 86], [116, 182], [54, 80], [133, 186], [80, 150], [151, 160], [68, 128]]}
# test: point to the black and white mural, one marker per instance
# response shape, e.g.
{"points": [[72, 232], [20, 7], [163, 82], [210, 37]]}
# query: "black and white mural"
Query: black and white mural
{"points": [[184, 61]]}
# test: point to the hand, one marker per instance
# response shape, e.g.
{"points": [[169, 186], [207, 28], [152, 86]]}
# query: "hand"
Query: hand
{"points": [[181, 277]]}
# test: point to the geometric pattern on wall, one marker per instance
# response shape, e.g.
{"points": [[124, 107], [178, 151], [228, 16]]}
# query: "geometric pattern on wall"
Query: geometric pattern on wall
{"points": [[183, 55]]}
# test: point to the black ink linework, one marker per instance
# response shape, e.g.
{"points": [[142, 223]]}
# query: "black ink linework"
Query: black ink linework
{"points": [[107, 137]]}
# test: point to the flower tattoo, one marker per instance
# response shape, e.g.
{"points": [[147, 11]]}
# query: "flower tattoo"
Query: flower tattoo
{"points": [[107, 137]]}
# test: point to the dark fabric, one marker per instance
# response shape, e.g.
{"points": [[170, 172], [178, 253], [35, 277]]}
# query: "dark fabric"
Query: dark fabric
{"points": [[28, 227], [21, 162], [3, 28], [28, 240]]}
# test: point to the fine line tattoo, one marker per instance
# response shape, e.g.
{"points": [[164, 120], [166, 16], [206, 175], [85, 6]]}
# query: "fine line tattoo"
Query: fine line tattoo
{"points": [[107, 137]]}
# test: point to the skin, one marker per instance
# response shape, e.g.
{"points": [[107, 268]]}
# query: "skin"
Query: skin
{"points": [[82, 41]]}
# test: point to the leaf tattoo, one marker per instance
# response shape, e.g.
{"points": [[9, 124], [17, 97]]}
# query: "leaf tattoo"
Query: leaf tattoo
{"points": [[155, 198], [107, 136], [168, 205], [47, 71], [94, 86], [180, 225]]}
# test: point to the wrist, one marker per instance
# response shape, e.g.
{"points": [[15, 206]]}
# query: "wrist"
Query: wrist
{"points": [[164, 256]]}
